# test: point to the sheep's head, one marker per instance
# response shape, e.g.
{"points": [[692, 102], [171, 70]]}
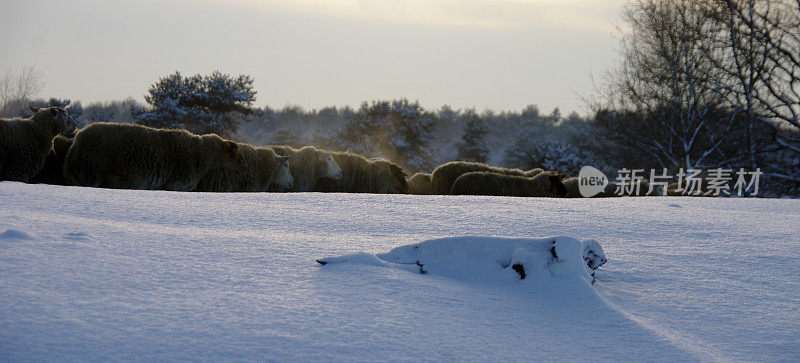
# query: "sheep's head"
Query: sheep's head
{"points": [[57, 119], [283, 177], [398, 183], [390, 174], [332, 169], [227, 151]]}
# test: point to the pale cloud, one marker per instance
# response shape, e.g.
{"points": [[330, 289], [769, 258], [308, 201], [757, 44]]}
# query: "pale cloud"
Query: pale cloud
{"points": [[491, 14]]}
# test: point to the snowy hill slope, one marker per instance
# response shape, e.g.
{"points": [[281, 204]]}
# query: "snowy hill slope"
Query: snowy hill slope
{"points": [[116, 274]]}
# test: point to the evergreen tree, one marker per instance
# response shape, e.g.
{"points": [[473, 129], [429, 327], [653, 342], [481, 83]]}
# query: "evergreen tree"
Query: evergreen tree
{"points": [[201, 104], [473, 145], [411, 134], [398, 130], [364, 131], [446, 134]]}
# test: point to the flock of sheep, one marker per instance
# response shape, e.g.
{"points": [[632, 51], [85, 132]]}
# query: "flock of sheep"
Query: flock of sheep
{"points": [[49, 148]]}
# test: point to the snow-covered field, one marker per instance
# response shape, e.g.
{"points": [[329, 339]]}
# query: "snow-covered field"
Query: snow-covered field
{"points": [[115, 274]]}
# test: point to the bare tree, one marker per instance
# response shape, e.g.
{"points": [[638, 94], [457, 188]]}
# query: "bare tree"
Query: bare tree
{"points": [[16, 89], [758, 62], [737, 54], [662, 99], [781, 100]]}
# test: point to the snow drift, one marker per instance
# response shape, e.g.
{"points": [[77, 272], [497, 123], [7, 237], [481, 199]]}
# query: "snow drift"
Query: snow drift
{"points": [[93, 274], [491, 260]]}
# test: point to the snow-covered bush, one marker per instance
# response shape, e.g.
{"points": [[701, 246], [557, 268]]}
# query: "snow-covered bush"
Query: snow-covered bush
{"points": [[201, 104]]}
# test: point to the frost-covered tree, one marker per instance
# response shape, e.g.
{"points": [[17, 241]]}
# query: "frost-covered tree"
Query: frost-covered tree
{"points": [[365, 131], [200, 103], [111, 111], [535, 125], [411, 136], [663, 98], [399, 130], [101, 115], [473, 145], [446, 135], [258, 128], [758, 63]]}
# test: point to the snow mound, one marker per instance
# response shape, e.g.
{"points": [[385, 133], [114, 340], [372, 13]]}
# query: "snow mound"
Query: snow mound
{"points": [[167, 276], [490, 260], [13, 234]]}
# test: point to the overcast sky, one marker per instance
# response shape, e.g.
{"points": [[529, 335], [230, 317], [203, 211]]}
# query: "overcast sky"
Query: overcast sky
{"points": [[498, 54]]}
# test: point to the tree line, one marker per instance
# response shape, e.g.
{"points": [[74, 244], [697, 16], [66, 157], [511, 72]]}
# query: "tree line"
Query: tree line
{"points": [[698, 85]]}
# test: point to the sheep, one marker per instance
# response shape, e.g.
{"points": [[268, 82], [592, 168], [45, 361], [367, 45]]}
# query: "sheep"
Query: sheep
{"points": [[547, 184], [445, 175], [573, 187], [309, 164], [362, 175], [53, 171], [25, 143], [125, 156], [264, 170], [420, 183]]}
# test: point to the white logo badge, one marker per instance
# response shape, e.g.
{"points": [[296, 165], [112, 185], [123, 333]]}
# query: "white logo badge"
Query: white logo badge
{"points": [[591, 181]]}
